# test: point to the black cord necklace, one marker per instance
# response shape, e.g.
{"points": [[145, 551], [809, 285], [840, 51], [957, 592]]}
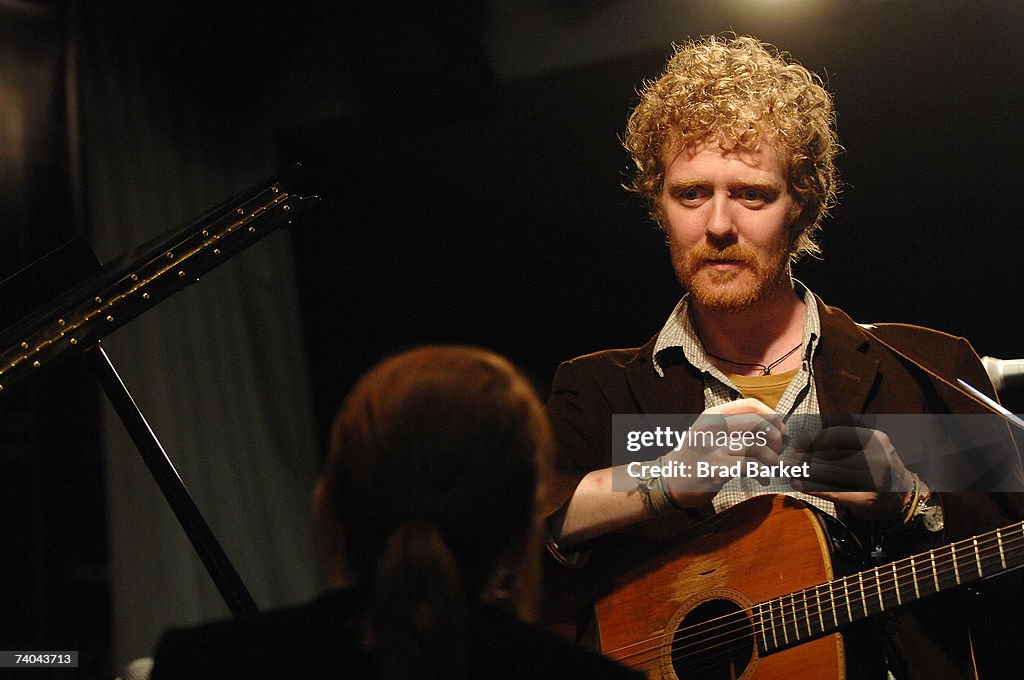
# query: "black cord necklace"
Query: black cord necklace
{"points": [[767, 369]]}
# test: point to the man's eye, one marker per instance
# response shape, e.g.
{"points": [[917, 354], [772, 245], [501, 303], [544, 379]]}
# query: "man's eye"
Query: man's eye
{"points": [[691, 194], [752, 195]]}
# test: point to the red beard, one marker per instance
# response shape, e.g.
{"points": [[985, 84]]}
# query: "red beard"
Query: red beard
{"points": [[754, 274]]}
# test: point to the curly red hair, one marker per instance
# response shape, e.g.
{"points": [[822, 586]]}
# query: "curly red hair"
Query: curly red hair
{"points": [[739, 92]]}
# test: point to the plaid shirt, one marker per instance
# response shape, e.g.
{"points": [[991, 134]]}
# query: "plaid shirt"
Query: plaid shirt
{"points": [[800, 398]]}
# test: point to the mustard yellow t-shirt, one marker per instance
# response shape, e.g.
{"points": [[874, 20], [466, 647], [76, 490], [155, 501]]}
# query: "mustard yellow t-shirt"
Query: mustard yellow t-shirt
{"points": [[767, 388]]}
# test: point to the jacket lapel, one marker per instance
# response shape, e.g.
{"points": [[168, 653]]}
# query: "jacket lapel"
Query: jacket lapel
{"points": [[843, 373], [681, 390]]}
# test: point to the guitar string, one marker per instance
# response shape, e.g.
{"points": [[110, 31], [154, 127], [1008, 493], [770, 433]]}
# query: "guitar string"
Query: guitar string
{"points": [[881, 580], [866, 596], [741, 614], [748, 629]]}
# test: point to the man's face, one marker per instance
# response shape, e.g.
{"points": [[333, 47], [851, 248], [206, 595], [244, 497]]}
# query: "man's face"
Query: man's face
{"points": [[727, 215]]}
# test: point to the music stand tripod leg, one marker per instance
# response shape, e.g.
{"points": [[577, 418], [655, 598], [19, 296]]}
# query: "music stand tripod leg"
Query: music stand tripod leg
{"points": [[216, 561]]}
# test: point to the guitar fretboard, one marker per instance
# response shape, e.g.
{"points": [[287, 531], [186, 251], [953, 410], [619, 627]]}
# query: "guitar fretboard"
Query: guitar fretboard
{"points": [[800, 616]]}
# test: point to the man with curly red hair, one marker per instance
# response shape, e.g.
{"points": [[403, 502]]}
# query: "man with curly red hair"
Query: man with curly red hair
{"points": [[734, 146]]}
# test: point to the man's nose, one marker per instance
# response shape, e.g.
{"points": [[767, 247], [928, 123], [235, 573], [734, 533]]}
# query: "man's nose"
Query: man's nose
{"points": [[720, 224]]}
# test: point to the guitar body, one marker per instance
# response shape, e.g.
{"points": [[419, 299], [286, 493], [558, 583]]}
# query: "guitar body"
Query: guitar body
{"points": [[666, 616]]}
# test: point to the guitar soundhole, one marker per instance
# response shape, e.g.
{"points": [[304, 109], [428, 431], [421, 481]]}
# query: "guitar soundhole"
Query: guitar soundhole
{"points": [[715, 641]]}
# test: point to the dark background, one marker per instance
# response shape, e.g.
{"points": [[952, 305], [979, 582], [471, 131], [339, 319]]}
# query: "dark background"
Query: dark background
{"points": [[493, 213], [469, 202]]}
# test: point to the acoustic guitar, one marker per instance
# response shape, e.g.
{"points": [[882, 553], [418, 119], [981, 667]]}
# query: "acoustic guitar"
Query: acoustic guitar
{"points": [[754, 595]]}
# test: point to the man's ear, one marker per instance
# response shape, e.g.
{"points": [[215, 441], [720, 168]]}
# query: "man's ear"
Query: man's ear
{"points": [[516, 581], [800, 219]]}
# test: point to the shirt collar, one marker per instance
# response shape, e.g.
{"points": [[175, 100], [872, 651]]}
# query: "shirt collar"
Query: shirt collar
{"points": [[679, 333]]}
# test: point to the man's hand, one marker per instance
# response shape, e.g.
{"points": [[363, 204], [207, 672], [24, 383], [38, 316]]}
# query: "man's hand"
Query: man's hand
{"points": [[857, 469], [596, 508], [732, 420]]}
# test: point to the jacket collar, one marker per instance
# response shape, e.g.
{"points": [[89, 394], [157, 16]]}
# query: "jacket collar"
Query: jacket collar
{"points": [[681, 390]]}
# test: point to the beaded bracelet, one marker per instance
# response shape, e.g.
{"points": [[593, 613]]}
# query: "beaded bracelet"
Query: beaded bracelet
{"points": [[655, 495]]}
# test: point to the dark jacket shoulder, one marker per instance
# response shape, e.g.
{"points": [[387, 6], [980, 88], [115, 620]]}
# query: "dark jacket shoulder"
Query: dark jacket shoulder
{"points": [[600, 369], [322, 639], [318, 639]]}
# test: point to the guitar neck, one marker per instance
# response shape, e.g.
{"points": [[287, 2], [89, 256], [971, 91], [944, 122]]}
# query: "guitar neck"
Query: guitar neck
{"points": [[800, 616]]}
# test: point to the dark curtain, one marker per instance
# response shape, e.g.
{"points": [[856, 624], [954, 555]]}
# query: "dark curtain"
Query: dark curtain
{"points": [[218, 369]]}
